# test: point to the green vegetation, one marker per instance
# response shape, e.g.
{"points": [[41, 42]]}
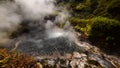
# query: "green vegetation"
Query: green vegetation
{"points": [[100, 30], [81, 25], [98, 21], [108, 8], [106, 31], [92, 8]]}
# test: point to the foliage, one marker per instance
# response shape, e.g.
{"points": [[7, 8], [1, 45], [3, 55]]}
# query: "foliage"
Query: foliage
{"points": [[114, 8], [106, 31], [108, 8], [92, 8], [15, 60], [100, 30], [81, 25]]}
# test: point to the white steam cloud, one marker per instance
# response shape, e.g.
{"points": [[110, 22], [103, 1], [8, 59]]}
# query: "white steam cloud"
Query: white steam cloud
{"points": [[12, 13], [36, 9], [8, 20]]}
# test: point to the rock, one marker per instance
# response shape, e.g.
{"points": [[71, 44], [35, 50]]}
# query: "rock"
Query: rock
{"points": [[76, 55], [73, 64], [39, 65], [78, 60], [57, 65], [51, 62], [94, 63], [68, 56]]}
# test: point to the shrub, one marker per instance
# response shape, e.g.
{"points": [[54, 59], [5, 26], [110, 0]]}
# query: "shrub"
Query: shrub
{"points": [[106, 31], [81, 25], [100, 30], [114, 8], [108, 8]]}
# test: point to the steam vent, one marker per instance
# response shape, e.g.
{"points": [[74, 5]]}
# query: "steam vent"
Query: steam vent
{"points": [[59, 34]]}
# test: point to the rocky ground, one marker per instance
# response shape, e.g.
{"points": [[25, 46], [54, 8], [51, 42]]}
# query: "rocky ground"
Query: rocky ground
{"points": [[78, 60]]}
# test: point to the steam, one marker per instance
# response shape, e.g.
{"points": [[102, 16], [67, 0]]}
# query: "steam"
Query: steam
{"points": [[9, 19], [36, 9], [14, 13], [54, 31]]}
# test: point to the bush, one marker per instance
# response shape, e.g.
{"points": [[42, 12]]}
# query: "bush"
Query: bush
{"points": [[100, 30], [108, 8], [114, 8], [105, 31], [81, 25]]}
